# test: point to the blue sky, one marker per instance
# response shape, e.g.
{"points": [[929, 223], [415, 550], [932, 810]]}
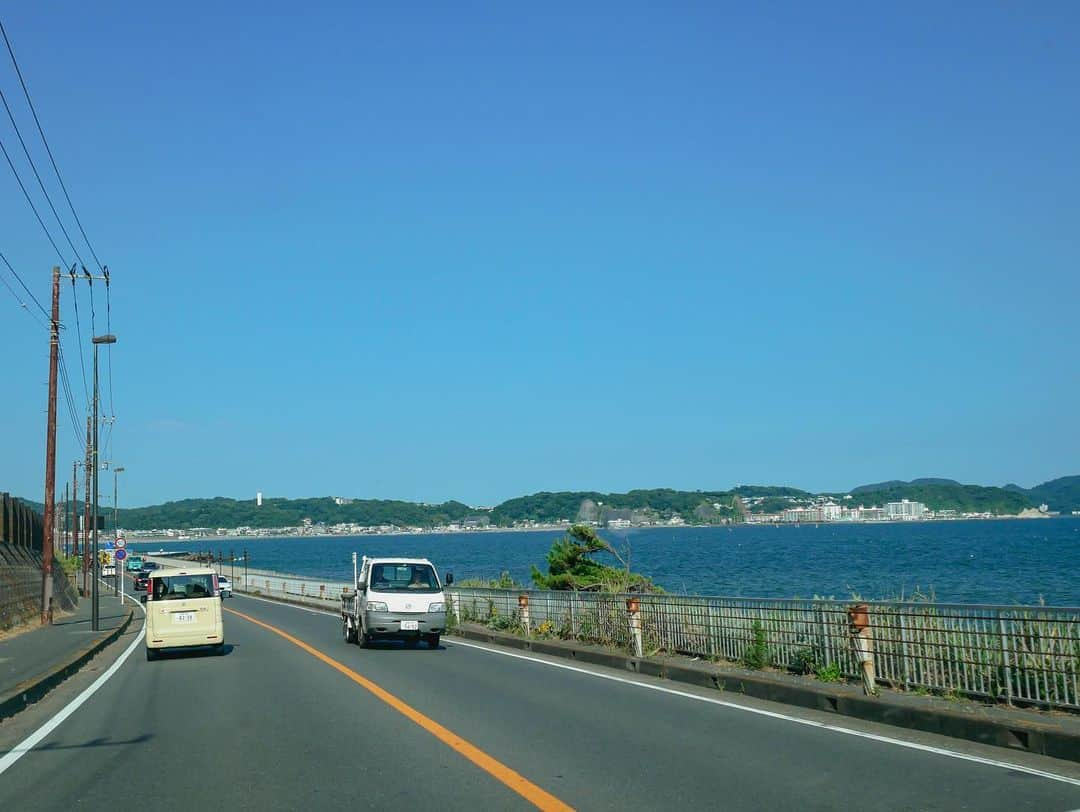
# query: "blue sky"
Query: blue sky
{"points": [[432, 252]]}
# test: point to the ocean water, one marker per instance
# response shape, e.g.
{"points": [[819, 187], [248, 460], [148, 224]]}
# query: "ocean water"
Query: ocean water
{"points": [[992, 561]]}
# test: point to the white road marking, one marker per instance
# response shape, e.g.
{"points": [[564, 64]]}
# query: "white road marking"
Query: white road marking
{"points": [[926, 748], [941, 751], [32, 741], [290, 605]]}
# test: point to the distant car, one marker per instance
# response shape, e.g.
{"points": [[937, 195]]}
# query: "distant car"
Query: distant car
{"points": [[108, 570], [150, 565], [142, 580], [224, 586]]}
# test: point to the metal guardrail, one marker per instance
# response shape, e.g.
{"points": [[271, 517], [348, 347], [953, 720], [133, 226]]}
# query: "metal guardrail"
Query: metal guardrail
{"points": [[1013, 654]]}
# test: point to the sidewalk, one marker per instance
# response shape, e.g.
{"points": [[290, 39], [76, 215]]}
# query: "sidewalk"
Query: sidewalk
{"points": [[35, 661]]}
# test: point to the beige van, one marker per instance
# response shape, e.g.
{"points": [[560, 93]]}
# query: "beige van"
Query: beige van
{"points": [[183, 610]]}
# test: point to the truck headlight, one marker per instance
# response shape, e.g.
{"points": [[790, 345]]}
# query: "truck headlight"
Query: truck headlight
{"points": [[376, 606], [437, 607]]}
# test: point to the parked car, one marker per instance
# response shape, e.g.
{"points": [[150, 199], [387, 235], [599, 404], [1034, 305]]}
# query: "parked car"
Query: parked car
{"points": [[108, 570], [224, 586]]}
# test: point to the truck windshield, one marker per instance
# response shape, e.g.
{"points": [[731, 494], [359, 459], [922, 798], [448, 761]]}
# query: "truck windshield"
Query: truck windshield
{"points": [[182, 587], [404, 578]]}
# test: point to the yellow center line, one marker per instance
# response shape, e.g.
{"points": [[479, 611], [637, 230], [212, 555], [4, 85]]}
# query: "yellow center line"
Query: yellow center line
{"points": [[514, 780]]}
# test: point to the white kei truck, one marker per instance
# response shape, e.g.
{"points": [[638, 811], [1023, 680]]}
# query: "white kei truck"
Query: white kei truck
{"points": [[395, 599]]}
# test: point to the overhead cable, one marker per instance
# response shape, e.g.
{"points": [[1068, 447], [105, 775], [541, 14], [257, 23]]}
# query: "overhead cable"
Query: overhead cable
{"points": [[48, 149]]}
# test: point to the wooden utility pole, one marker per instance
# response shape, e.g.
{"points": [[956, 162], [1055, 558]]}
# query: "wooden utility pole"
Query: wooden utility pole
{"points": [[50, 458]]}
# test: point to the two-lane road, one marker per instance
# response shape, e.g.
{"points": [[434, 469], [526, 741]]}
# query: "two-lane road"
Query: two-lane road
{"points": [[292, 717]]}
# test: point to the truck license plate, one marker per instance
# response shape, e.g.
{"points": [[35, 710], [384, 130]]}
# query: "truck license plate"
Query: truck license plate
{"points": [[410, 625], [183, 617]]}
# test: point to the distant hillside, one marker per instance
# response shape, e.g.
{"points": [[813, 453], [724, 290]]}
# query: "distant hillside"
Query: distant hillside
{"points": [[657, 504], [1061, 494], [947, 495], [222, 512], [662, 503], [899, 483]]}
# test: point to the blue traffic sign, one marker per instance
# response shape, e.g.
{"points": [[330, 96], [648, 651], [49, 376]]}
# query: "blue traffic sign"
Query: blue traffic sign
{"points": [[121, 554]]}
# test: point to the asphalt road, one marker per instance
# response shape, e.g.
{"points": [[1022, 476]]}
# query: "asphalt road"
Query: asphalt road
{"points": [[274, 725]]}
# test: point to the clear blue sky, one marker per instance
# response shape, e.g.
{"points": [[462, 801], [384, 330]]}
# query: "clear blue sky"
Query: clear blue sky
{"points": [[471, 251]]}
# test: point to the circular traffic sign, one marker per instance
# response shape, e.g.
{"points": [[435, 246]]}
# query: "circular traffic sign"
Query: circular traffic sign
{"points": [[121, 554], [120, 544]]}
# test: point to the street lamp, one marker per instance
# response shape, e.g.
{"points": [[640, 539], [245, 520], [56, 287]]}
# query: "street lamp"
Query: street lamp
{"points": [[95, 612], [118, 583]]}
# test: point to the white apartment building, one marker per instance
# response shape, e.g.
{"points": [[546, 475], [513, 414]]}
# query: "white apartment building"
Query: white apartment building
{"points": [[904, 510]]}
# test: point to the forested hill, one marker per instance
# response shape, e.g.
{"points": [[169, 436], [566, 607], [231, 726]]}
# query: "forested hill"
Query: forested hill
{"points": [[223, 512], [947, 496], [637, 506]]}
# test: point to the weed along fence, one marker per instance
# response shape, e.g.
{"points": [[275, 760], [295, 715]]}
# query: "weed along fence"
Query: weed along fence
{"points": [[1012, 654]]}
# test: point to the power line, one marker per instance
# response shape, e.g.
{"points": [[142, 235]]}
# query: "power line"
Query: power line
{"points": [[69, 401], [23, 304], [48, 149], [33, 208], [29, 292], [41, 183], [78, 333]]}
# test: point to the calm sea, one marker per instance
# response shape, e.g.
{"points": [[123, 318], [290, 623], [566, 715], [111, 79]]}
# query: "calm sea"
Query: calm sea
{"points": [[1008, 561]]}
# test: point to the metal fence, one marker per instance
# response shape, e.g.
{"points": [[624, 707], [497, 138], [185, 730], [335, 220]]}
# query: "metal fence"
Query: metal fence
{"points": [[1013, 654], [20, 526]]}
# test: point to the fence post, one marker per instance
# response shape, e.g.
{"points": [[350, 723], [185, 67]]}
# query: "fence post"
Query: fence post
{"points": [[573, 619], [1005, 659], [523, 611], [903, 644], [862, 639], [633, 611]]}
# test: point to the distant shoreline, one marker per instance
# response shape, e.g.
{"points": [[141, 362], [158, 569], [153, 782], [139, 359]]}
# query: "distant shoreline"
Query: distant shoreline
{"points": [[134, 537]]}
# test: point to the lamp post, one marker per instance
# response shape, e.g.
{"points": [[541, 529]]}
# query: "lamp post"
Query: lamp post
{"points": [[95, 609], [118, 584]]}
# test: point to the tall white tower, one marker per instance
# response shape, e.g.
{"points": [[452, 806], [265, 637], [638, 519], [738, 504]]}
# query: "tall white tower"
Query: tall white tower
{"points": [[258, 499]]}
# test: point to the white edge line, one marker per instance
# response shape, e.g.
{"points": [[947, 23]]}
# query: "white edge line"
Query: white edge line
{"points": [[785, 717], [31, 741], [926, 748]]}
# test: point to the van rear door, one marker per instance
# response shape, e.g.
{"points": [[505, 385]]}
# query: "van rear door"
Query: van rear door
{"points": [[185, 606]]}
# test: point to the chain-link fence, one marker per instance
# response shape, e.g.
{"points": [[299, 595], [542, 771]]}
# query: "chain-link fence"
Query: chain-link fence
{"points": [[1013, 654]]}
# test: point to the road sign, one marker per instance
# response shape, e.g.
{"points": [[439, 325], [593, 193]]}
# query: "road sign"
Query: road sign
{"points": [[121, 554], [108, 545], [120, 544]]}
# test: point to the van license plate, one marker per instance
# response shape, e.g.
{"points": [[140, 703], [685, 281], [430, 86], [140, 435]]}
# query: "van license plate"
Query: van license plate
{"points": [[410, 625], [183, 617]]}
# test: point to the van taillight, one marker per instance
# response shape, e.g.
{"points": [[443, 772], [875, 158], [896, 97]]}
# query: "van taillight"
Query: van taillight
{"points": [[217, 591]]}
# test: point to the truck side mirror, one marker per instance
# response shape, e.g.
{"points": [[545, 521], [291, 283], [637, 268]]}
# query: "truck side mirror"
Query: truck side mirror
{"points": [[449, 578]]}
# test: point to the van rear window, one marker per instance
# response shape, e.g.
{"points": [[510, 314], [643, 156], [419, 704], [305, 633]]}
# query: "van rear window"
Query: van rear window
{"points": [[182, 587]]}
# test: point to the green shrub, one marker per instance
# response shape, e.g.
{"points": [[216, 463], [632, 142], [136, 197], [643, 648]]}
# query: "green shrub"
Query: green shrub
{"points": [[756, 655]]}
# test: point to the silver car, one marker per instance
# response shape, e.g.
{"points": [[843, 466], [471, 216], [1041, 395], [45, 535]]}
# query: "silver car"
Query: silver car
{"points": [[224, 586]]}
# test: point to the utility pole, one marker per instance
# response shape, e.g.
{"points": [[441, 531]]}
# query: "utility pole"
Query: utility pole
{"points": [[72, 508], [86, 510], [95, 609], [50, 458], [118, 579], [67, 516]]}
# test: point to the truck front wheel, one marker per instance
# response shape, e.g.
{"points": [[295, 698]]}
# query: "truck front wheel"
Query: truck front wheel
{"points": [[433, 641]]}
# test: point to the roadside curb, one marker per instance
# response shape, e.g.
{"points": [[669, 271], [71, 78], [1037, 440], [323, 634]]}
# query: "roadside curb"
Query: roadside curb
{"points": [[34, 689], [1025, 735]]}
